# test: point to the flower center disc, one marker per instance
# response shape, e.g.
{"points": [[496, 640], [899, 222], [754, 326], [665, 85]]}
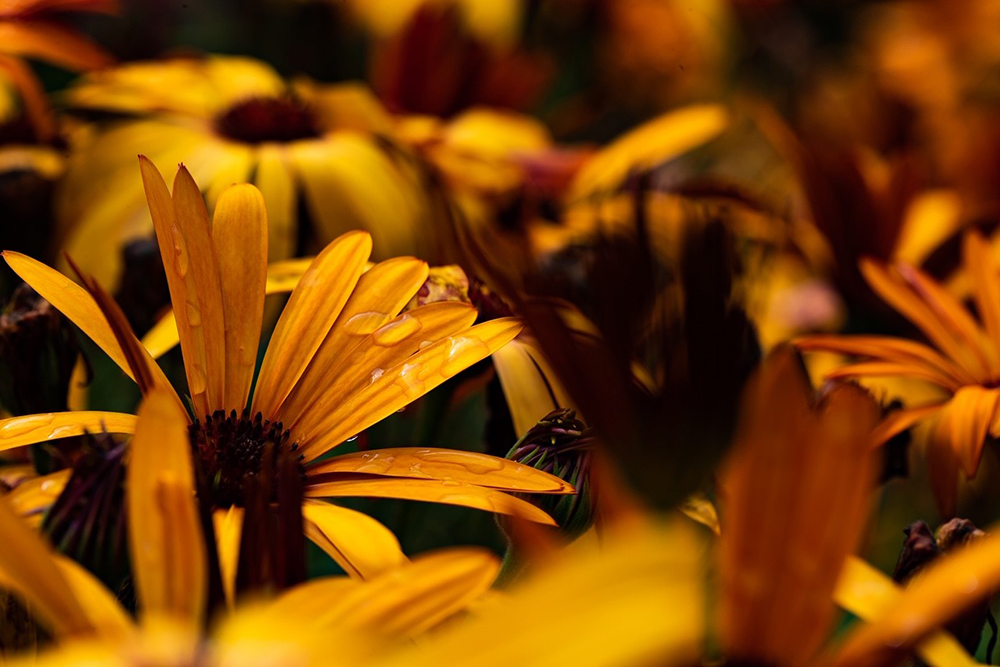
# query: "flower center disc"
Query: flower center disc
{"points": [[236, 453], [262, 119]]}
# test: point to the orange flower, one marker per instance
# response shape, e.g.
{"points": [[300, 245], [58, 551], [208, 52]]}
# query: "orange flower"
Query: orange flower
{"points": [[963, 360]]}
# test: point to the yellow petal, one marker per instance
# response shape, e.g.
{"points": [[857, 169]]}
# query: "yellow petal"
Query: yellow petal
{"points": [[307, 602], [415, 597], [360, 544], [29, 429], [433, 491], [445, 464], [27, 564], [274, 180], [311, 311], [965, 420], [383, 348], [869, 594], [239, 235], [648, 145], [380, 294], [934, 596], [203, 302], [102, 608], [529, 384], [34, 496], [76, 304], [404, 383], [165, 538], [898, 421], [228, 526]]}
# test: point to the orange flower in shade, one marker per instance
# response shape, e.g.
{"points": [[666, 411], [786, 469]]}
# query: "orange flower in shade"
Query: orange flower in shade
{"points": [[28, 30], [963, 360], [341, 358]]}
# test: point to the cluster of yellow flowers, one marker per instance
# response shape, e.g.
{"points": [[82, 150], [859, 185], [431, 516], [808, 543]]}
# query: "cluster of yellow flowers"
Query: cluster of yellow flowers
{"points": [[732, 349]]}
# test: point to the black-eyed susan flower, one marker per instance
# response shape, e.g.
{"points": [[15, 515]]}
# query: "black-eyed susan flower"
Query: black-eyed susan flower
{"points": [[230, 120], [171, 568], [962, 361], [341, 358]]}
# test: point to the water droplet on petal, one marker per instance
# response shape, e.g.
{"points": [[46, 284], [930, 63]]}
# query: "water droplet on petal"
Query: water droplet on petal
{"points": [[20, 425], [397, 331], [363, 324], [376, 374], [463, 351]]}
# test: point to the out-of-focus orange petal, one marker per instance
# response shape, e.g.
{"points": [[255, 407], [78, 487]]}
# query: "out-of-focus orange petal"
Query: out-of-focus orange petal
{"points": [[53, 43], [795, 493]]}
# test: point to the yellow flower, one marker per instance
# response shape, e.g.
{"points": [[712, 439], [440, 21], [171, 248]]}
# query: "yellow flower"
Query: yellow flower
{"points": [[962, 362], [231, 120], [341, 358], [28, 30], [170, 566]]}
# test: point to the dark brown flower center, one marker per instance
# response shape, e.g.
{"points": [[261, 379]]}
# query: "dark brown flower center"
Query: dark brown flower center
{"points": [[261, 119], [237, 453]]}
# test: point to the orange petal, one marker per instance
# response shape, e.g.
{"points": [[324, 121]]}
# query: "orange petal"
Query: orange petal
{"points": [[34, 496], [360, 544], [985, 282], [165, 538], [433, 491], [384, 348], [897, 294], [239, 235], [76, 304], [795, 492], [964, 423], [53, 43], [937, 594], [410, 379], [203, 301], [529, 384], [35, 103], [29, 429], [311, 311], [888, 369], [884, 348], [942, 468], [380, 294], [445, 464], [898, 421]]}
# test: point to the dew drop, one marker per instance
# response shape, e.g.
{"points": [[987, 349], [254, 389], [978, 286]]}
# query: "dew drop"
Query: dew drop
{"points": [[410, 381], [193, 315], [197, 380], [463, 351], [15, 426], [376, 374], [363, 324], [397, 331]]}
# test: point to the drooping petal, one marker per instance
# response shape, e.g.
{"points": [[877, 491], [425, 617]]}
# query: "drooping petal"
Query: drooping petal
{"points": [[985, 282], [529, 384], [239, 235], [869, 594], [311, 310], [29, 429], [900, 420], [165, 539], [228, 526], [33, 99], [27, 564], [380, 294], [404, 383], [360, 544], [965, 420], [102, 608], [937, 594], [444, 464], [434, 491], [77, 305], [382, 349]]}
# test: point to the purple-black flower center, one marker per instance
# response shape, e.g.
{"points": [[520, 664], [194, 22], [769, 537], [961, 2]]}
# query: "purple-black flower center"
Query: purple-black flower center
{"points": [[237, 453], [261, 119]]}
